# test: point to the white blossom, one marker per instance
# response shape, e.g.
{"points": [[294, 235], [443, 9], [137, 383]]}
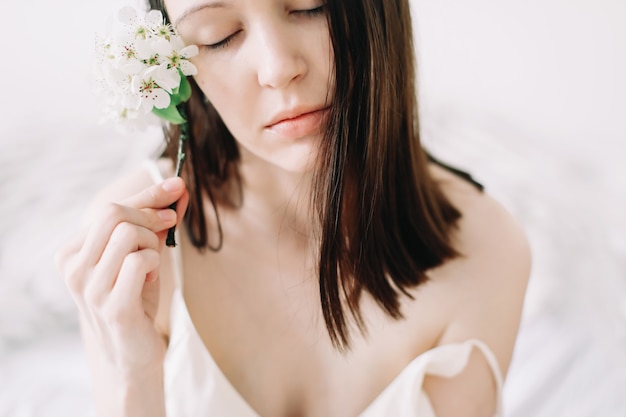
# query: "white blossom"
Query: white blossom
{"points": [[139, 66]]}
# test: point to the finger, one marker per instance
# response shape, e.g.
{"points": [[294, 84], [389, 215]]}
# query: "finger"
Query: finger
{"points": [[70, 267], [132, 276], [65, 253], [181, 206], [99, 233], [126, 238], [158, 196]]}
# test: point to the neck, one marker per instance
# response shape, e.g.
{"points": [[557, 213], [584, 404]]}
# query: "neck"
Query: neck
{"points": [[279, 200]]}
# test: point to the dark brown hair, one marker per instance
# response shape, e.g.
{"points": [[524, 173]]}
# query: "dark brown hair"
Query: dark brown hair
{"points": [[384, 222]]}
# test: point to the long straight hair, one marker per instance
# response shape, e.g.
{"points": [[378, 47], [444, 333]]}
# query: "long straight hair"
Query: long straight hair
{"points": [[384, 222]]}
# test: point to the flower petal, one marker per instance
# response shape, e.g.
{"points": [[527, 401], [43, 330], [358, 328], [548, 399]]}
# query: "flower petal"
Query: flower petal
{"points": [[144, 48], [154, 18], [160, 98], [131, 101], [177, 42], [188, 68], [130, 66], [161, 46], [127, 15], [167, 79], [189, 51]]}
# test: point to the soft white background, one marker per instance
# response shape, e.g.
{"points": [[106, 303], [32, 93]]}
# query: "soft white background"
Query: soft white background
{"points": [[528, 95]]}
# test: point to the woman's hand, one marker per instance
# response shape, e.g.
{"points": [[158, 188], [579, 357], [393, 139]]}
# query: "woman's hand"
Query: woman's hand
{"points": [[112, 273]]}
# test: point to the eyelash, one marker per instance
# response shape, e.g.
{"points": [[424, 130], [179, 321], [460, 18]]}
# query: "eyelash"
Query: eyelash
{"points": [[221, 44], [224, 43], [312, 12]]}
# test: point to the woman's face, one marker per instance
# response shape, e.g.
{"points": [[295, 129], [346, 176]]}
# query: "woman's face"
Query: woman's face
{"points": [[266, 67]]}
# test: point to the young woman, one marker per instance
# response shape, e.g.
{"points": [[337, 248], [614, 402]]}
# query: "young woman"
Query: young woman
{"points": [[326, 265]]}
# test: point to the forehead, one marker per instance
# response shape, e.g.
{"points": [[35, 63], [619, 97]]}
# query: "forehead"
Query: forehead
{"points": [[179, 10]]}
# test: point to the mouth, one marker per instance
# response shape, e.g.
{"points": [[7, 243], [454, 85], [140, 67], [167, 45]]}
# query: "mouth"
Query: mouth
{"points": [[297, 124]]}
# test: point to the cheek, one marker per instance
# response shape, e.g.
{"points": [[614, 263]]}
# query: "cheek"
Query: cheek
{"points": [[213, 83], [232, 100], [207, 79]]}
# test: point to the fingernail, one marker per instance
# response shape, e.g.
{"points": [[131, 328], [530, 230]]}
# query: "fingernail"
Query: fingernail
{"points": [[167, 215], [171, 184]]}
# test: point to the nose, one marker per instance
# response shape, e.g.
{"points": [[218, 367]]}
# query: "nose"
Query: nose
{"points": [[281, 60]]}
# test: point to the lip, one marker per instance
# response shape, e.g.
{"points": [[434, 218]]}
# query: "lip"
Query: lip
{"points": [[297, 123]]}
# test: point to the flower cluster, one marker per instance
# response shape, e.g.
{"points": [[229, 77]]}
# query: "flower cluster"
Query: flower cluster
{"points": [[142, 68]]}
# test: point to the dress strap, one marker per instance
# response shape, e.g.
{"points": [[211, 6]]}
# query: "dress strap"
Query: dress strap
{"points": [[405, 395], [495, 369], [449, 360]]}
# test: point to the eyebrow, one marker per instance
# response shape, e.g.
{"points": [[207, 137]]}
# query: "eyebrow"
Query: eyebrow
{"points": [[197, 8]]}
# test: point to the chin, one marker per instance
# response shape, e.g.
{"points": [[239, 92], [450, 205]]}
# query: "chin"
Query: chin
{"points": [[297, 158], [294, 156], [300, 160]]}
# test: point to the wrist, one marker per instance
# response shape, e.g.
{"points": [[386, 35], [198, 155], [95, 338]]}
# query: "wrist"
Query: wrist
{"points": [[136, 394], [143, 395]]}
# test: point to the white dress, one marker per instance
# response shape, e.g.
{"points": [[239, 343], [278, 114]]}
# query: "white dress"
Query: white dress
{"points": [[196, 387]]}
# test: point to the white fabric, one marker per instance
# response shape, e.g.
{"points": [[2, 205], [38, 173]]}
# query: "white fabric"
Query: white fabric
{"points": [[404, 397], [195, 386]]}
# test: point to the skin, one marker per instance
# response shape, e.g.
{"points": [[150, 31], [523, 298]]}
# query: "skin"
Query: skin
{"points": [[266, 310]]}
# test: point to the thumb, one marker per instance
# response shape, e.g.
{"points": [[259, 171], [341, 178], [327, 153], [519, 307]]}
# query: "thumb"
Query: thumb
{"points": [[158, 196]]}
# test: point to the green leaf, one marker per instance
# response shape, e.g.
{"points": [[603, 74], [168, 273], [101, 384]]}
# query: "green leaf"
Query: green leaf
{"points": [[181, 93], [170, 114], [184, 88]]}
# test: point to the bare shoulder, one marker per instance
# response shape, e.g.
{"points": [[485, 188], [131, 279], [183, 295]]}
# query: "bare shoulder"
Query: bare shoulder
{"points": [[488, 237], [484, 290], [488, 281]]}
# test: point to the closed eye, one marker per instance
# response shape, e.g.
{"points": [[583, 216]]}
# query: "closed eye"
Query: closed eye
{"points": [[223, 43], [317, 11], [311, 12]]}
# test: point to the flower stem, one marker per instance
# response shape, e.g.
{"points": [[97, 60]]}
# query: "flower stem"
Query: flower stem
{"points": [[170, 241]]}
